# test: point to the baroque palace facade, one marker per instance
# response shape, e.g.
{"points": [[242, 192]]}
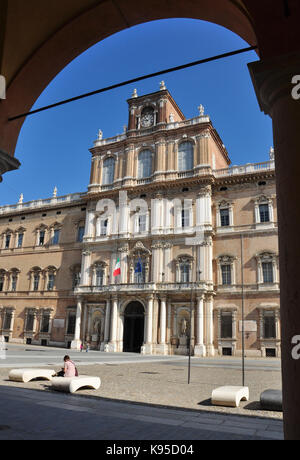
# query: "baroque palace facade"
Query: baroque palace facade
{"points": [[168, 248]]}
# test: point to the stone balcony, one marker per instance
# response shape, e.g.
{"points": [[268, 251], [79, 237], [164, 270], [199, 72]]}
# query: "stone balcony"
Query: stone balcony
{"points": [[197, 173], [167, 288]]}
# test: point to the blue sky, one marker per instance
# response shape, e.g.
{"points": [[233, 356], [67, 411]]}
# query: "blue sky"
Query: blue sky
{"points": [[53, 145]]}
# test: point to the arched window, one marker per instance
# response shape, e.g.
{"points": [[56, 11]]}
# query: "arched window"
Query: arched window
{"points": [[185, 156], [144, 164], [108, 171]]}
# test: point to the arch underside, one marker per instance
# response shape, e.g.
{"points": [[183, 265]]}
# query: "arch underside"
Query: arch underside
{"points": [[42, 48]]}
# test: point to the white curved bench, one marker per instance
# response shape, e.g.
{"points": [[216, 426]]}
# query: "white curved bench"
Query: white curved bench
{"points": [[230, 396], [26, 375], [72, 384]]}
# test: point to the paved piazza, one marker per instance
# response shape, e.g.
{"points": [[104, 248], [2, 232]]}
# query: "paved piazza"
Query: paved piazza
{"points": [[152, 392]]}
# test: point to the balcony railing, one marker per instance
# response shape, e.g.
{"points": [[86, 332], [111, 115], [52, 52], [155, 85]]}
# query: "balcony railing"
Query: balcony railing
{"points": [[41, 203], [152, 129], [142, 287], [198, 171], [245, 169]]}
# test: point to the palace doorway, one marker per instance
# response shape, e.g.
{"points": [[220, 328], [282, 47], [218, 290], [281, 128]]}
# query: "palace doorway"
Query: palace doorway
{"points": [[134, 319]]}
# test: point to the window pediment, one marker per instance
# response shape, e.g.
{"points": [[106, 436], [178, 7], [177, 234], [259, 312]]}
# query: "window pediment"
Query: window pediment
{"points": [[262, 199], [184, 258], [139, 248], [266, 256], [226, 259]]}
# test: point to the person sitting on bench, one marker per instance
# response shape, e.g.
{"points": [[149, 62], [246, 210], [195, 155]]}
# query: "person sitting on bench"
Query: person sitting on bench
{"points": [[69, 369]]}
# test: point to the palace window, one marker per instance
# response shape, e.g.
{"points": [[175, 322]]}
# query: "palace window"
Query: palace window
{"points": [[226, 270], [184, 265], [30, 322], [139, 264], [103, 227], [264, 213], [80, 234], [36, 281], [144, 164], [7, 241], [2, 280], [225, 214], [184, 272], [185, 156], [75, 272], [142, 223], [14, 279], [35, 276], [8, 317], [20, 240], [51, 279], [140, 272], [56, 235], [45, 323], [71, 323], [108, 171], [42, 235], [269, 325], [51, 274], [185, 218], [224, 217], [263, 210], [226, 274], [267, 270], [100, 274], [226, 325]]}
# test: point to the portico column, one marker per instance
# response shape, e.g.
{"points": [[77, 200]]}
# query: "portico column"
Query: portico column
{"points": [[169, 322], [200, 349], [163, 349], [85, 311], [113, 325], [209, 326], [75, 345], [147, 347], [278, 96], [106, 327]]}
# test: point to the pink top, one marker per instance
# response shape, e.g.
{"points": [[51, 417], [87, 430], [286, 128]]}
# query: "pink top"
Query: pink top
{"points": [[69, 369]]}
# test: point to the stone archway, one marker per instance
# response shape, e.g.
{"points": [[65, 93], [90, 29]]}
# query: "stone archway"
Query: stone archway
{"points": [[31, 58], [45, 47], [134, 320]]}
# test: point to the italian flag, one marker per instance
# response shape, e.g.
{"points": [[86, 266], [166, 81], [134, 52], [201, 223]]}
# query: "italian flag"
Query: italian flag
{"points": [[117, 270]]}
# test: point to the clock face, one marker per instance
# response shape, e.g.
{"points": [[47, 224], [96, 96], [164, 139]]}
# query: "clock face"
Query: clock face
{"points": [[147, 118]]}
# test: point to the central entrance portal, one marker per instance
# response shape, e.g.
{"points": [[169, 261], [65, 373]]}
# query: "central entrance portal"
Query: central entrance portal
{"points": [[134, 319]]}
